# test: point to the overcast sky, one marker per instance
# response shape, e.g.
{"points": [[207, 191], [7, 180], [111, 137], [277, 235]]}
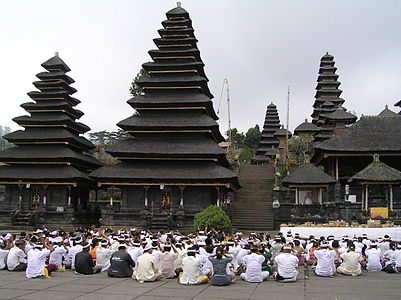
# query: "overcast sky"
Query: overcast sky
{"points": [[257, 45]]}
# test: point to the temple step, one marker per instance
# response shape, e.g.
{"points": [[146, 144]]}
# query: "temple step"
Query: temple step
{"points": [[252, 206]]}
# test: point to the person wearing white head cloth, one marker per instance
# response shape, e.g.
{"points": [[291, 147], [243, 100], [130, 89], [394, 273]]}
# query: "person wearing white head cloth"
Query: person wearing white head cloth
{"points": [[37, 261], [192, 269], [375, 257], [397, 259], [287, 264], [325, 260], [103, 255], [77, 247], [135, 251], [56, 257], [146, 268]]}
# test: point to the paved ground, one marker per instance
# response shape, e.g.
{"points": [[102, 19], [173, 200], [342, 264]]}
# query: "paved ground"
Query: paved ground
{"points": [[67, 285]]}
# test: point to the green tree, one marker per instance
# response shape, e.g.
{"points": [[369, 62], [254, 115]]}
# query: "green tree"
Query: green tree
{"points": [[212, 217], [135, 89], [252, 137]]}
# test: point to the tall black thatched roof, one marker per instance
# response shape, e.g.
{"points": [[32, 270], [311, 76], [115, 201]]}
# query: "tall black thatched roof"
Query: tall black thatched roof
{"points": [[308, 174], [175, 133], [51, 147]]}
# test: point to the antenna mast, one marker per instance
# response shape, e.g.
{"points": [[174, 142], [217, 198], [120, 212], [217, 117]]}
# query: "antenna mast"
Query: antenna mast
{"points": [[229, 113]]}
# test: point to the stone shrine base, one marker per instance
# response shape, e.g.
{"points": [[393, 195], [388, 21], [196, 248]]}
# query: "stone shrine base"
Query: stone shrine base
{"points": [[67, 285]]}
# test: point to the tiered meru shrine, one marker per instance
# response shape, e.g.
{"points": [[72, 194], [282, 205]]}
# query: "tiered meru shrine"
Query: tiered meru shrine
{"points": [[171, 166], [47, 170]]}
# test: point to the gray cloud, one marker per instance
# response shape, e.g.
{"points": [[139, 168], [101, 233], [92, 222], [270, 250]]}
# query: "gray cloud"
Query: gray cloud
{"points": [[257, 45]]}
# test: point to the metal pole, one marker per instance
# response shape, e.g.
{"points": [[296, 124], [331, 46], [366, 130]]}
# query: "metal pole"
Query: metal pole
{"points": [[391, 197]]}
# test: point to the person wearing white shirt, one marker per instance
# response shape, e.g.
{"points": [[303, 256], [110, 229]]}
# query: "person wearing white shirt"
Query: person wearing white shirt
{"points": [[192, 270], [146, 268], [135, 251], [56, 257], [73, 251], [37, 261], [325, 261], [350, 265], [16, 259], [397, 259], [375, 257], [253, 262], [103, 255], [4, 249], [286, 265]]}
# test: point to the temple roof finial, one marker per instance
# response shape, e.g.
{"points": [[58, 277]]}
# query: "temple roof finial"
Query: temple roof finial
{"points": [[178, 4], [56, 53], [376, 158]]}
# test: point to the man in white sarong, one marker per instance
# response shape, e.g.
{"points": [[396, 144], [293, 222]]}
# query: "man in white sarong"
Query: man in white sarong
{"points": [[287, 264], [37, 261], [325, 260], [146, 268], [253, 262], [350, 265], [375, 257], [192, 269]]}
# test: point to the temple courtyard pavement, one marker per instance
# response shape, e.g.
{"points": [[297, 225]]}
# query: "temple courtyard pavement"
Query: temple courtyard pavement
{"points": [[67, 285]]}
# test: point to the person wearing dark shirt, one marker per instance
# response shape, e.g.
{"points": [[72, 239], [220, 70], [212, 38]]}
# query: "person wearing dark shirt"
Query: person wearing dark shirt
{"points": [[121, 263], [84, 262]]}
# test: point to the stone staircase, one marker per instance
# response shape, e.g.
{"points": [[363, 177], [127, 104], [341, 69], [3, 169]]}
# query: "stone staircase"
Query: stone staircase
{"points": [[252, 207], [159, 221], [22, 219]]}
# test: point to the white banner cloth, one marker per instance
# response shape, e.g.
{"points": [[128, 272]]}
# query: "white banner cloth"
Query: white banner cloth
{"points": [[339, 232]]}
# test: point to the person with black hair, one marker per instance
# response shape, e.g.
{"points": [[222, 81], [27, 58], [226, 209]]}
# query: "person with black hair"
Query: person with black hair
{"points": [[167, 259], [374, 257], [192, 269], [351, 262], [16, 259], [219, 262], [121, 263], [84, 263], [253, 262]]}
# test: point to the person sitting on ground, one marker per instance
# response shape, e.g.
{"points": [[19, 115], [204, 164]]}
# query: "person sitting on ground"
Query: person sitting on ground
{"points": [[84, 263], [36, 267], [220, 277], [56, 257], [146, 268], [121, 263], [192, 269], [167, 259], [253, 262], [77, 247], [16, 259], [350, 265], [4, 250], [103, 255], [374, 257], [325, 260], [287, 264]]}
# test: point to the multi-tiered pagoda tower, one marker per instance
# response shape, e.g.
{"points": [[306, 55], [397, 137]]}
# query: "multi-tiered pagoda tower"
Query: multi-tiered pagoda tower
{"points": [[48, 168], [268, 145], [327, 99], [173, 162]]}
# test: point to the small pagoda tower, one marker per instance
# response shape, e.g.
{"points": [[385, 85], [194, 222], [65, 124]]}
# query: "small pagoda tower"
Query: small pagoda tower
{"points": [[327, 99], [173, 165], [268, 143], [49, 165]]}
